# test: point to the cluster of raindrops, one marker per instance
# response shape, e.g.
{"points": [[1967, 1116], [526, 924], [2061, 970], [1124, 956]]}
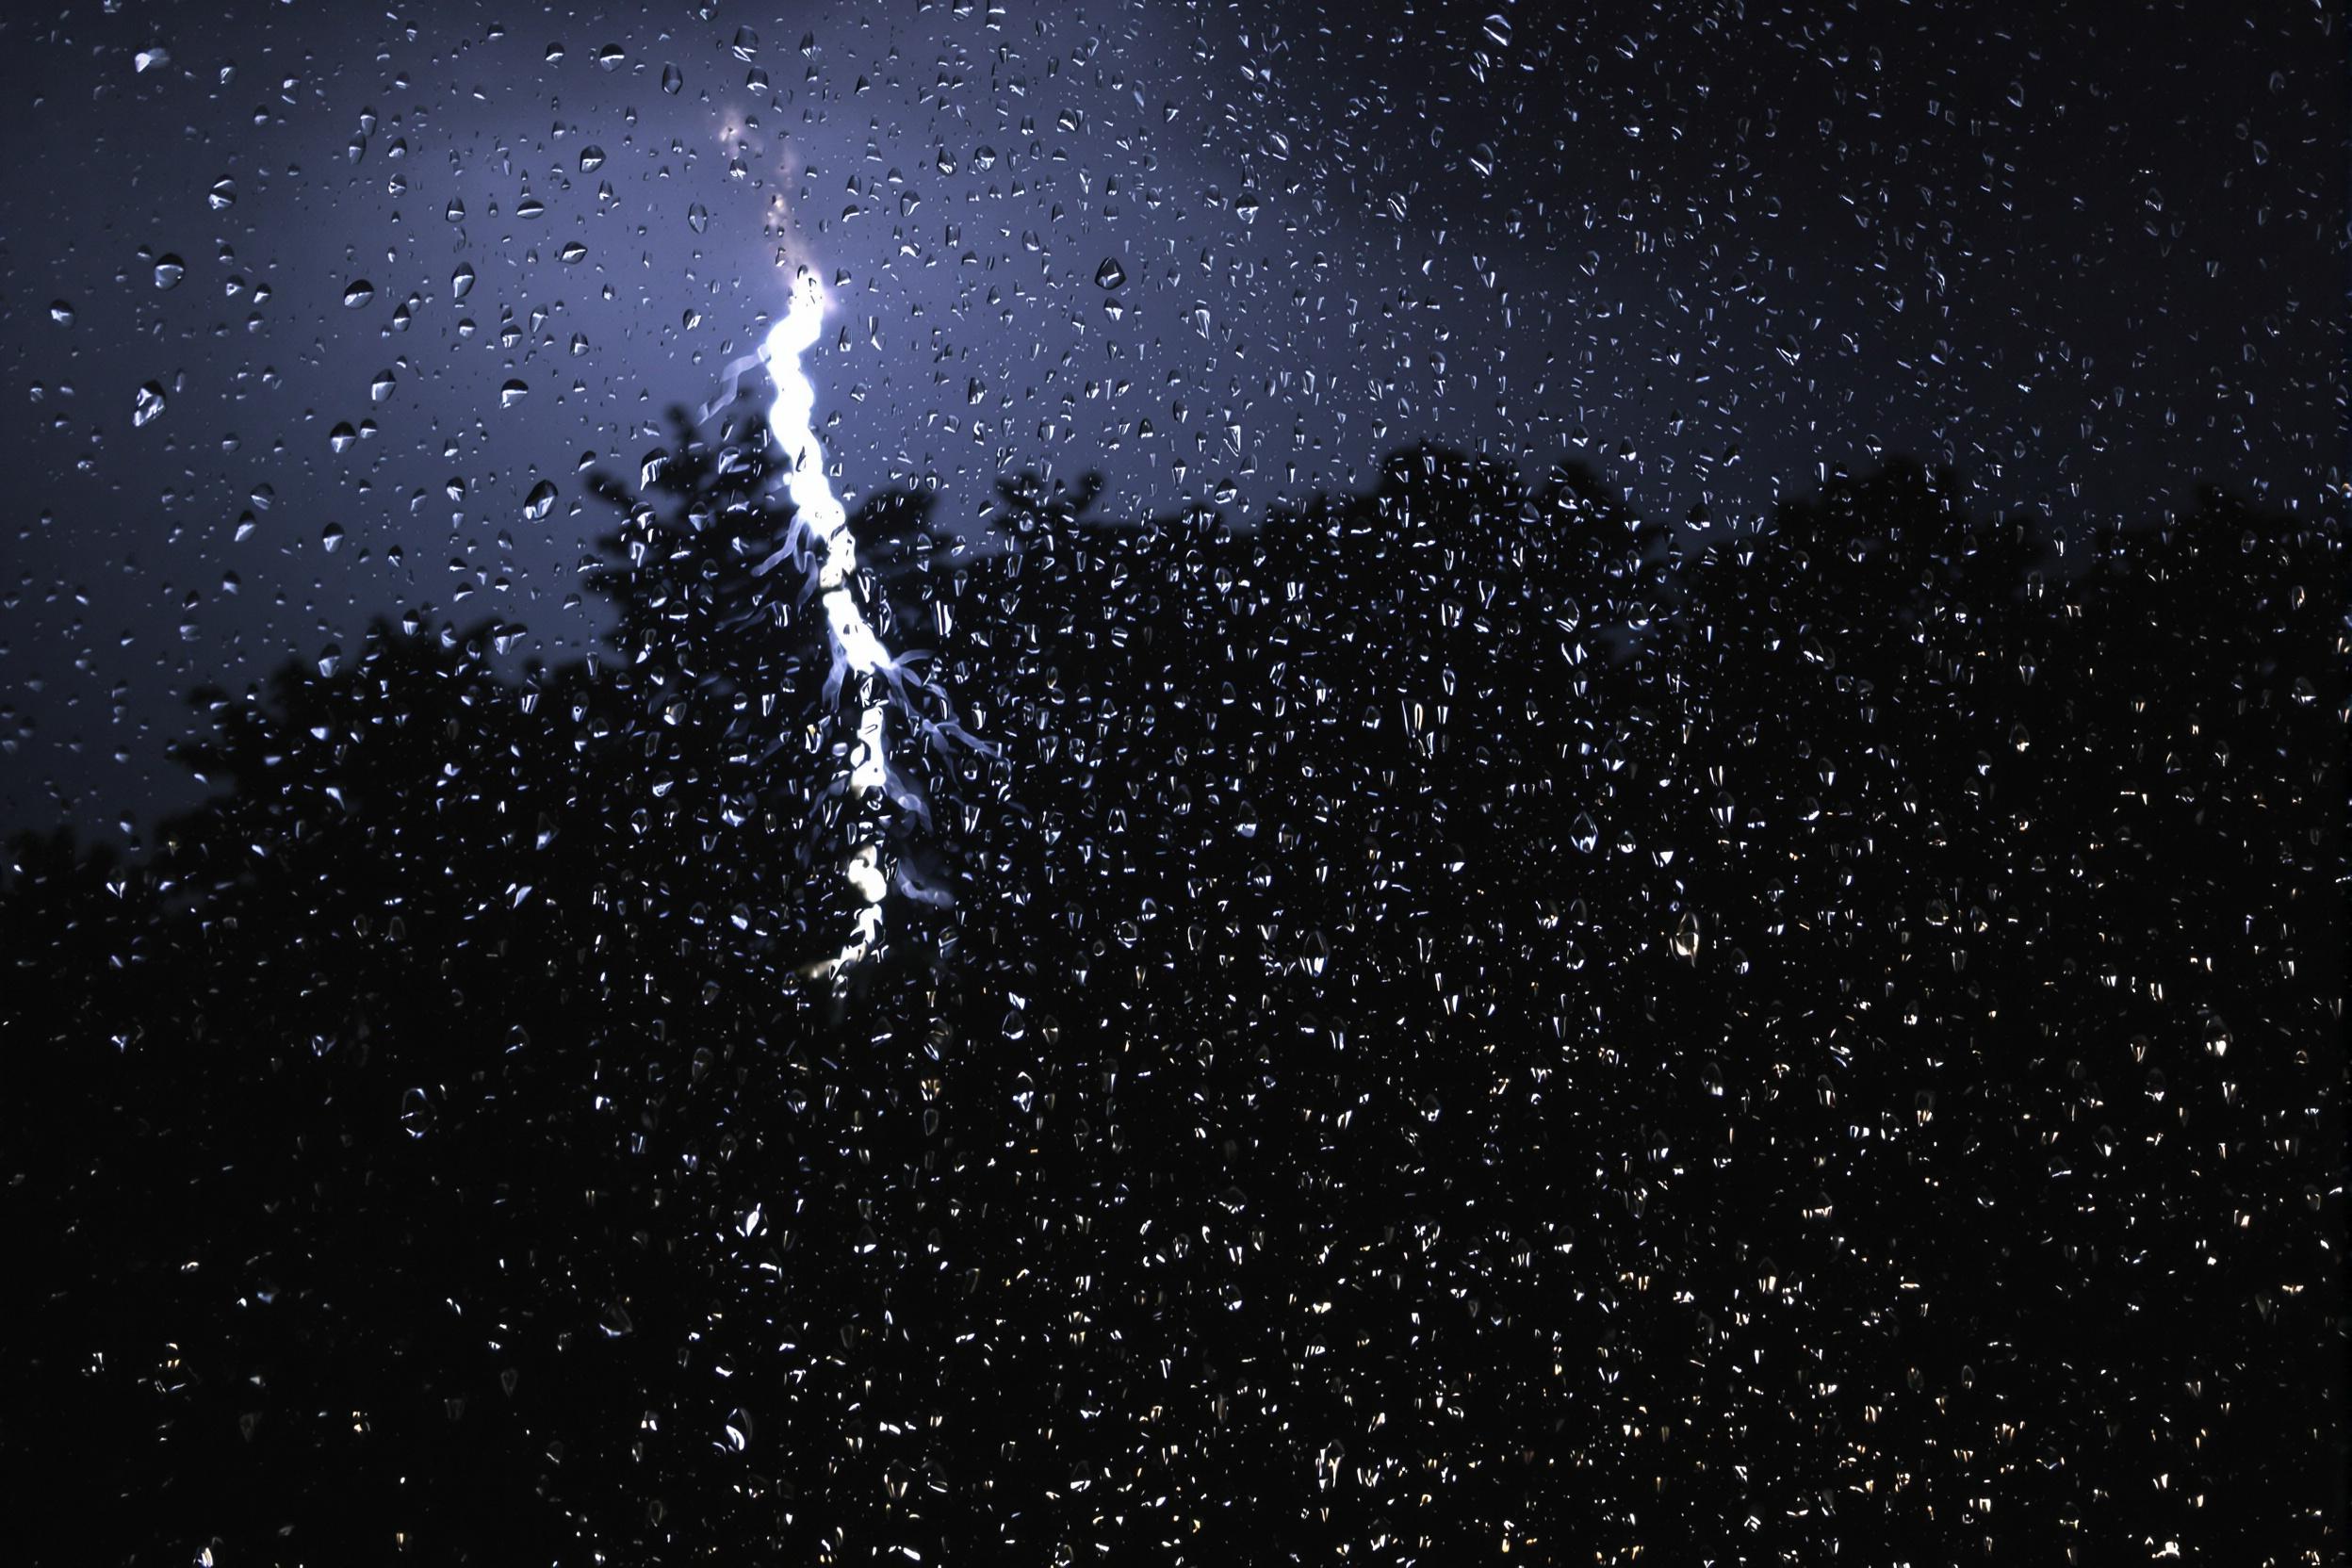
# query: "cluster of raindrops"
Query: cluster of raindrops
{"points": [[1462, 1023], [1230, 254], [1518, 939]]}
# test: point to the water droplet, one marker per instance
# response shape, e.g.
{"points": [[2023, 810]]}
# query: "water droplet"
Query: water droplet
{"points": [[149, 406], [514, 392], [357, 293], [1687, 938], [169, 269], [540, 501], [222, 195], [1110, 274], [672, 81], [462, 281], [61, 313], [151, 60]]}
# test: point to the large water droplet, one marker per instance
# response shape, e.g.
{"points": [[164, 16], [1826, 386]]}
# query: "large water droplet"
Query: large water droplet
{"points": [[1687, 938]]}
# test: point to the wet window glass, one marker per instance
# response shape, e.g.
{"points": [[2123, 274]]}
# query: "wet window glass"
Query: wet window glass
{"points": [[1067, 783]]}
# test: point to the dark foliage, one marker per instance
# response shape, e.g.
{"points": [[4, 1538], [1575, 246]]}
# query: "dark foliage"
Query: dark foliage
{"points": [[1459, 1025]]}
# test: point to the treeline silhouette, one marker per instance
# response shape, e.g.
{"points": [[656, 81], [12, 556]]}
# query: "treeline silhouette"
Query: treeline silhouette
{"points": [[1447, 1021]]}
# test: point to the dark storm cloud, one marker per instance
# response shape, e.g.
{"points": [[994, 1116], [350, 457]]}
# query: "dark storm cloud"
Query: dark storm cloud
{"points": [[1227, 252]]}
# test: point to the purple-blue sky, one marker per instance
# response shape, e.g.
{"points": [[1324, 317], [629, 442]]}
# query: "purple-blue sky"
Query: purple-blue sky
{"points": [[1709, 250]]}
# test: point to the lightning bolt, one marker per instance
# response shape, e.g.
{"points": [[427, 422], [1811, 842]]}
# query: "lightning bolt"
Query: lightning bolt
{"points": [[821, 523]]}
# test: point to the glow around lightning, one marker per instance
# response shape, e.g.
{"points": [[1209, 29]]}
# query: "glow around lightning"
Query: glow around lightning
{"points": [[821, 523]]}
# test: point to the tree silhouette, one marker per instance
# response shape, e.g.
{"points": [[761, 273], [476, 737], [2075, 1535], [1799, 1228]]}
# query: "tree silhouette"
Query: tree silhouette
{"points": [[1432, 1019]]}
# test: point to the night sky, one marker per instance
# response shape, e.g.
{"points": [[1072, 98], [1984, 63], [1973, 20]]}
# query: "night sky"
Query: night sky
{"points": [[1231, 254]]}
